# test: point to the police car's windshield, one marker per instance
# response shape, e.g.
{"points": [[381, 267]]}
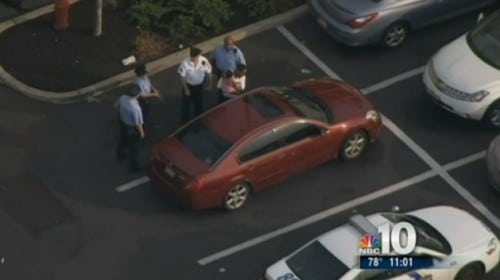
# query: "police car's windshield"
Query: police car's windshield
{"points": [[484, 40], [427, 236], [306, 104], [315, 262]]}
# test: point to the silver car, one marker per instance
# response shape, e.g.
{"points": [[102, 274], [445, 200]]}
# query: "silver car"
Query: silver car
{"points": [[493, 163], [361, 22]]}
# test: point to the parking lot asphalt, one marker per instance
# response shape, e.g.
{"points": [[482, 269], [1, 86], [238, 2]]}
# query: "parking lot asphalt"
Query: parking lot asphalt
{"points": [[64, 218]]}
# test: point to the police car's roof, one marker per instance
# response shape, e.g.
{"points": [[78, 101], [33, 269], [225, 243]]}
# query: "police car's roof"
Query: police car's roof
{"points": [[343, 242]]}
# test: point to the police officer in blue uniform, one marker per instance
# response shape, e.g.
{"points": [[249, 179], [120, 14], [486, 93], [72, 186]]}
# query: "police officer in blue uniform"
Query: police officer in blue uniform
{"points": [[131, 127], [148, 91]]}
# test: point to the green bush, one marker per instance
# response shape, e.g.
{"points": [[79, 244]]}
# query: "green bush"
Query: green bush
{"points": [[110, 4], [147, 13], [114, 5], [181, 19], [266, 8]]}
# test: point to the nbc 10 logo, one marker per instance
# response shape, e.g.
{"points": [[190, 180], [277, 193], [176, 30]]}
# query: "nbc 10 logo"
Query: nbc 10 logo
{"points": [[400, 238]]}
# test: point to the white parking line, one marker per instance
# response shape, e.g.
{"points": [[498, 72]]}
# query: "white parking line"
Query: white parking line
{"points": [[319, 216], [464, 161], [442, 172], [132, 184], [321, 65], [396, 79], [407, 140]]}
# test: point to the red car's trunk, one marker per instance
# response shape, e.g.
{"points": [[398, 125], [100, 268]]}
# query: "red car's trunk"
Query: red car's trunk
{"points": [[177, 163]]}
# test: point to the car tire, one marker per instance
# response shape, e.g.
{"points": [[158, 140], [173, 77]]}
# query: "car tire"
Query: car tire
{"points": [[354, 145], [473, 271], [395, 34], [236, 197], [492, 116]]}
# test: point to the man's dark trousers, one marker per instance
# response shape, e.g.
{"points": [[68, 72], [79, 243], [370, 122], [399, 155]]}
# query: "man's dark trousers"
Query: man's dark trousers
{"points": [[144, 103], [195, 99], [218, 73], [129, 141]]}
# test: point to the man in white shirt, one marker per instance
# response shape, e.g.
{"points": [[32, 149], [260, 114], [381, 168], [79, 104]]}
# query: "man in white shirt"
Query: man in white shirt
{"points": [[195, 71]]}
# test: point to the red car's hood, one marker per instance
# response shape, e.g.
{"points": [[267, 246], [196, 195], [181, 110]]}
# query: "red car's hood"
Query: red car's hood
{"points": [[172, 151]]}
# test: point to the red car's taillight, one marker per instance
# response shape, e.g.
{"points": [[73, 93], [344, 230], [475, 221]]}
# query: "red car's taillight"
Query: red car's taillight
{"points": [[362, 21]]}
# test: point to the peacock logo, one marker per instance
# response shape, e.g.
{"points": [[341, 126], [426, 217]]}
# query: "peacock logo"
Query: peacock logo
{"points": [[369, 244]]}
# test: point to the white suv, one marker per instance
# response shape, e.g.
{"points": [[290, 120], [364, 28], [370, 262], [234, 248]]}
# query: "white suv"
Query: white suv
{"points": [[464, 76]]}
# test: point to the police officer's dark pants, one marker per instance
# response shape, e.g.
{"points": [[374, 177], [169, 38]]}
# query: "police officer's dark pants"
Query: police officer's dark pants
{"points": [[195, 100], [220, 97], [129, 141], [145, 108]]}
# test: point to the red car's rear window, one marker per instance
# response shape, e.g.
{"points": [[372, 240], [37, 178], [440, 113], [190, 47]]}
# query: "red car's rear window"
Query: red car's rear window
{"points": [[203, 142]]}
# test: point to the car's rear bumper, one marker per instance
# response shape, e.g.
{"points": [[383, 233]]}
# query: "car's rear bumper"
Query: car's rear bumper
{"points": [[190, 199], [341, 32]]}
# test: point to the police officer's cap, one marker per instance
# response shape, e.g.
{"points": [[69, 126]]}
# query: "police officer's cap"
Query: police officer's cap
{"points": [[194, 52], [134, 91]]}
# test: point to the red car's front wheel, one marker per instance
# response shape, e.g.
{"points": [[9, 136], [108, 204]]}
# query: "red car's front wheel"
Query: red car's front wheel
{"points": [[236, 197], [354, 145]]}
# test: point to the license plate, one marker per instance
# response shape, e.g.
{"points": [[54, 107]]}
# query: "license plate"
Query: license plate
{"points": [[169, 171], [322, 22]]}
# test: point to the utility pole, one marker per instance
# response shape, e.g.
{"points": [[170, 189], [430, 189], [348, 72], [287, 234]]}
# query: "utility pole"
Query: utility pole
{"points": [[98, 18]]}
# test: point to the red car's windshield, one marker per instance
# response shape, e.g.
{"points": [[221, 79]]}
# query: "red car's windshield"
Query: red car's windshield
{"points": [[306, 104]]}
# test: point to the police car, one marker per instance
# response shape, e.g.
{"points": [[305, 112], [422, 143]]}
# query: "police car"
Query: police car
{"points": [[461, 247]]}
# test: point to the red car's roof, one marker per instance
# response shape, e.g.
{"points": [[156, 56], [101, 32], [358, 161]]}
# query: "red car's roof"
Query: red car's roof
{"points": [[236, 118]]}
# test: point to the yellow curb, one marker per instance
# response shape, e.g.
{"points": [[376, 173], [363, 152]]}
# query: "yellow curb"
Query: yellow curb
{"points": [[127, 77]]}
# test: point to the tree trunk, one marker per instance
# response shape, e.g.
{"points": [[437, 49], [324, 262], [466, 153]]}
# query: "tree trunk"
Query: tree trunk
{"points": [[98, 18]]}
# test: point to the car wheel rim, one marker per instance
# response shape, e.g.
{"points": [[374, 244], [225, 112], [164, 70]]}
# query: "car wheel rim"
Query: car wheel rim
{"points": [[237, 196], [395, 35], [354, 145], [495, 117]]}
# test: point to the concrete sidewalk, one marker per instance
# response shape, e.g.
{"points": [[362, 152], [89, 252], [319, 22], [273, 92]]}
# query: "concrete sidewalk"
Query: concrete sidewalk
{"points": [[12, 8], [91, 91], [27, 5]]}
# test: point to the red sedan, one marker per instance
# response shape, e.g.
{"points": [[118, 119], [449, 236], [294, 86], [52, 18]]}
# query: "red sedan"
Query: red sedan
{"points": [[260, 138]]}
